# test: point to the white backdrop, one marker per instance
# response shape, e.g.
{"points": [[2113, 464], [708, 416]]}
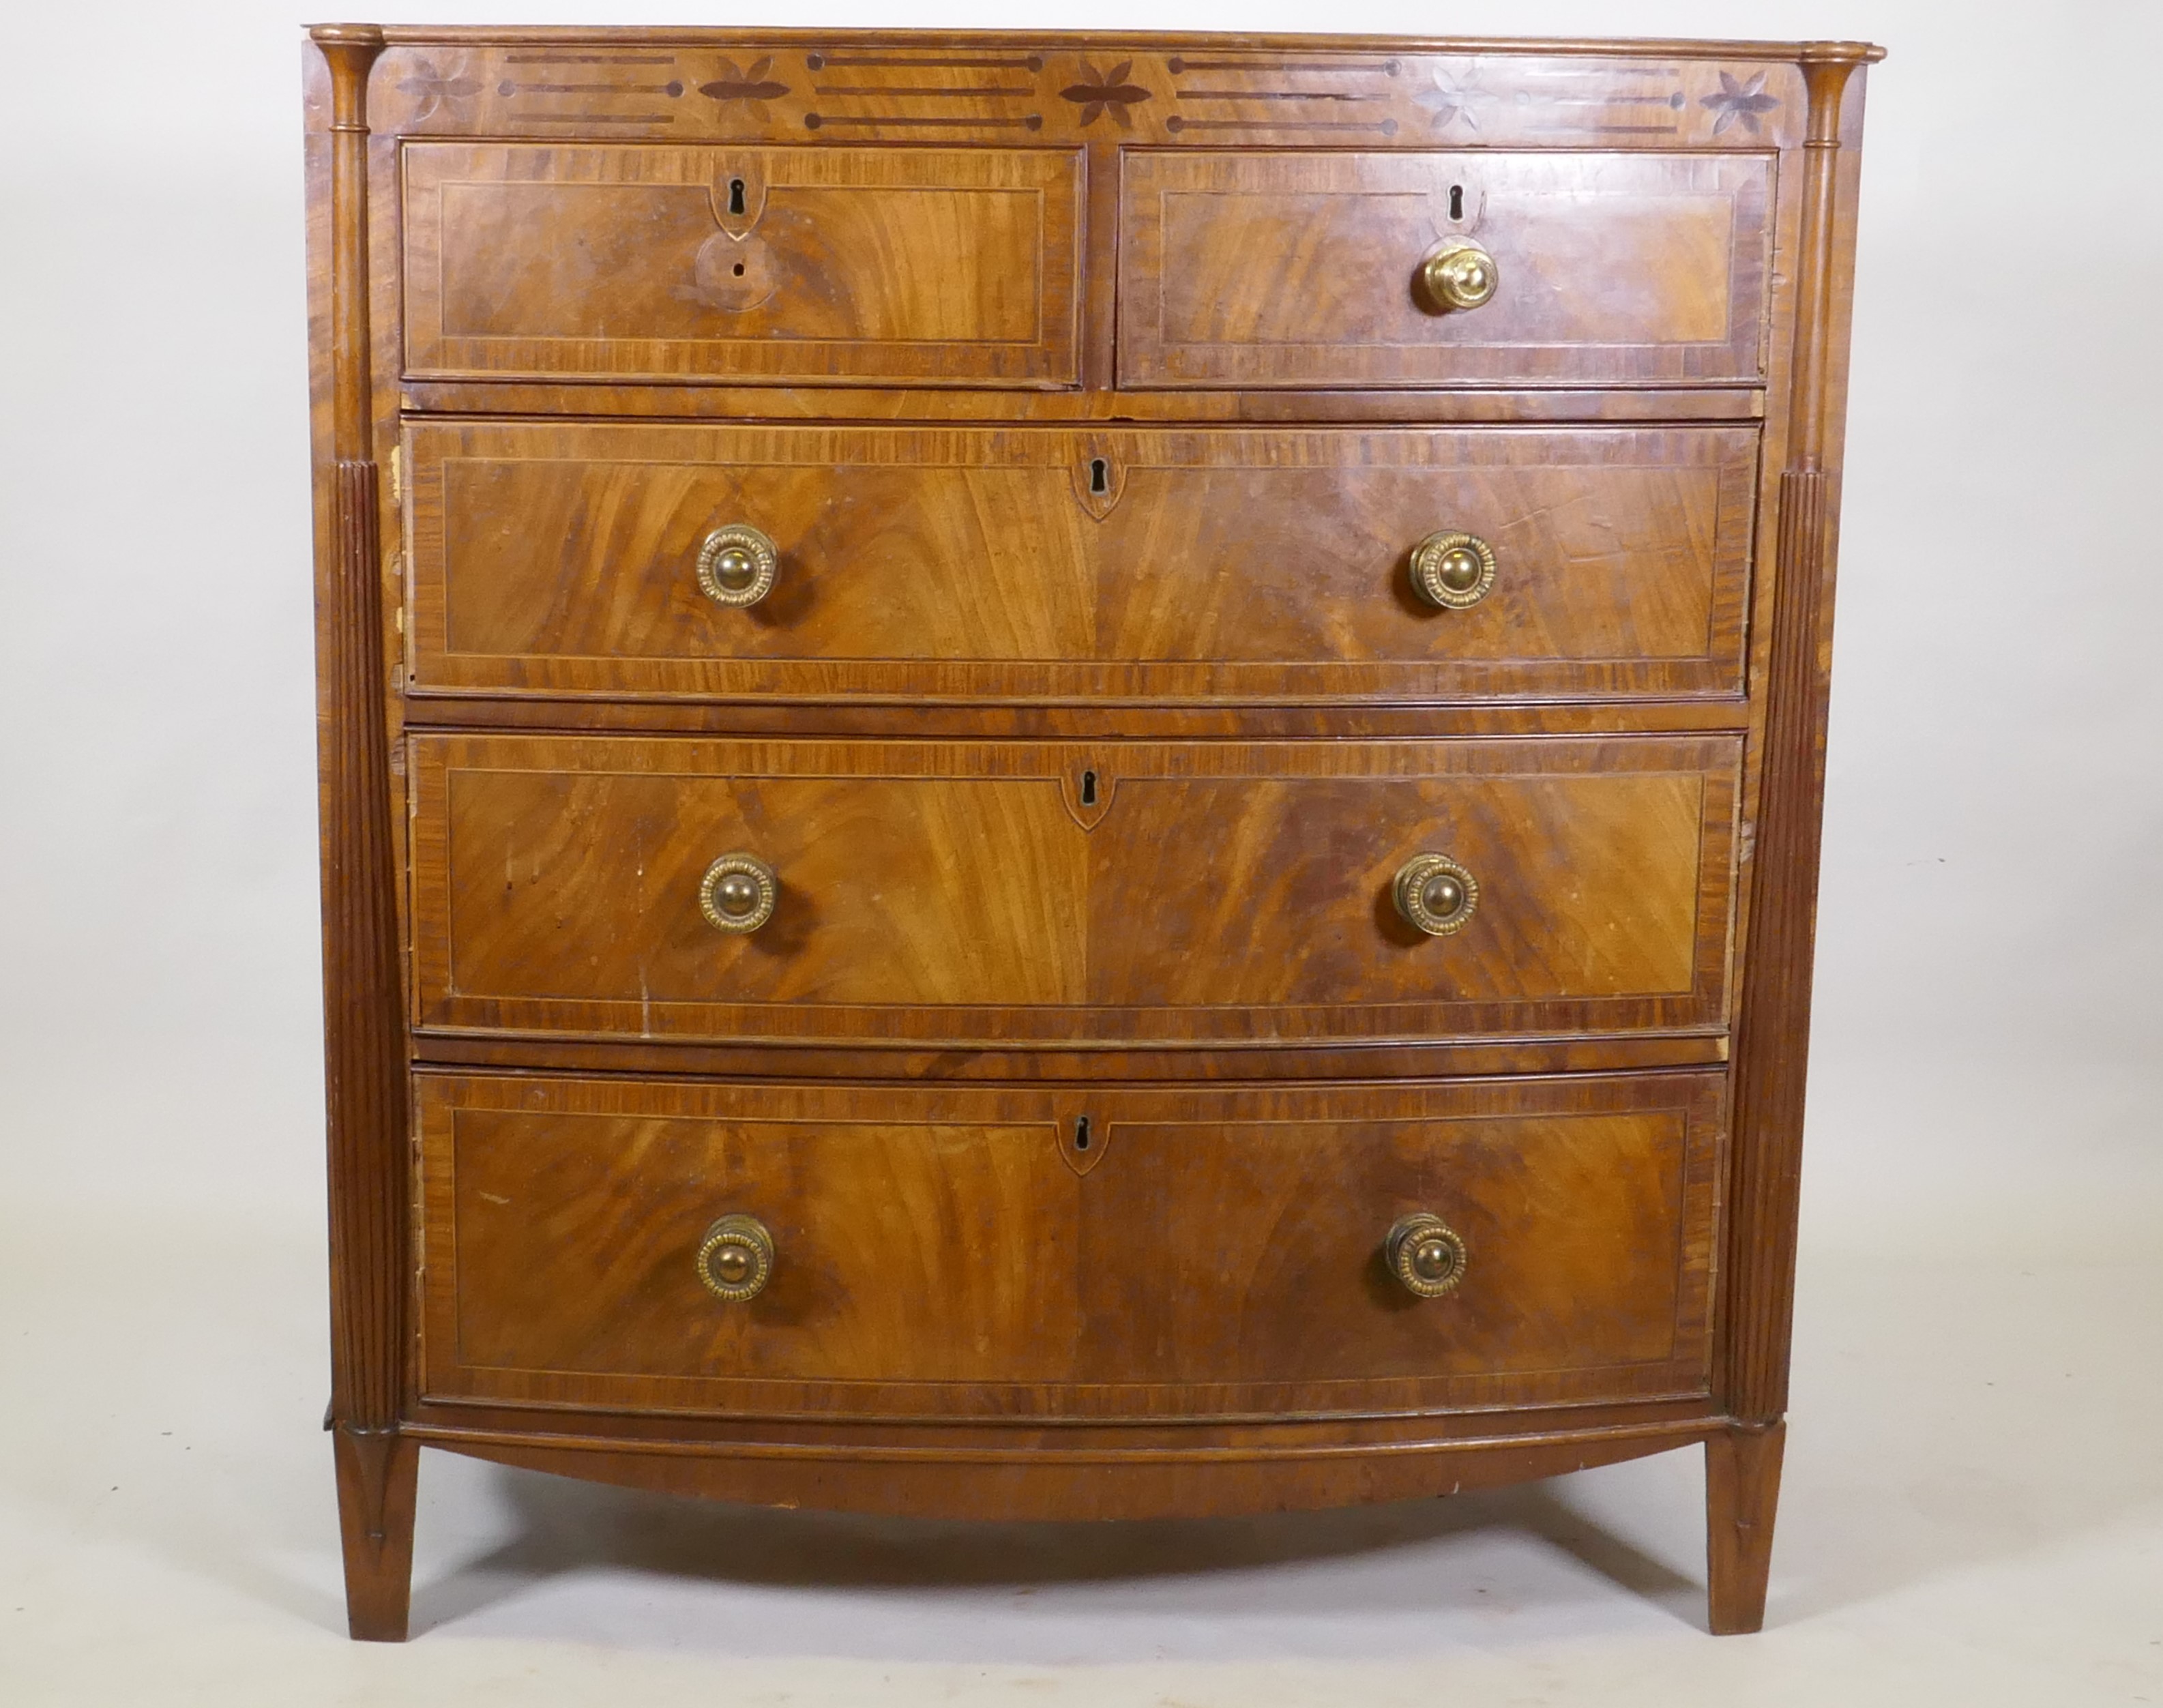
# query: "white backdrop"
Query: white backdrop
{"points": [[1989, 1041]]}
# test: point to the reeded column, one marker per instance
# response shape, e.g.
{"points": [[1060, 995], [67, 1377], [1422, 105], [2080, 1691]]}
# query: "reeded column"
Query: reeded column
{"points": [[1771, 1050], [363, 1024]]}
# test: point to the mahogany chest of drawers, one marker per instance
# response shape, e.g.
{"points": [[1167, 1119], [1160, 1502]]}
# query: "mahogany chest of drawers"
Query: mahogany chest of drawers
{"points": [[1069, 776]]}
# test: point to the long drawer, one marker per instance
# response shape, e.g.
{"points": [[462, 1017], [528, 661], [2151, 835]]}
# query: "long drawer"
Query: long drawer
{"points": [[1015, 1251], [984, 892], [564, 558]]}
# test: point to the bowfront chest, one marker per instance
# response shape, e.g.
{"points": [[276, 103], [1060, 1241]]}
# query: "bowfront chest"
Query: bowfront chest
{"points": [[1069, 776]]}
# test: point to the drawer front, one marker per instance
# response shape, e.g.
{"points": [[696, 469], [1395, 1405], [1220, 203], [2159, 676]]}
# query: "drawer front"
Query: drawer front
{"points": [[1036, 564], [950, 1250], [1288, 269], [801, 266], [1002, 893]]}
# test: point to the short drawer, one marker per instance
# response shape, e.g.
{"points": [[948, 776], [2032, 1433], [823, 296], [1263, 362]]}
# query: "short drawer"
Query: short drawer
{"points": [[1269, 268], [560, 559], [1001, 892], [799, 265], [1009, 1251]]}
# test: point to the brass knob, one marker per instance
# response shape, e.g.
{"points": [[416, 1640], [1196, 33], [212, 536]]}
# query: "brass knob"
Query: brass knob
{"points": [[1435, 893], [736, 1258], [1459, 275], [738, 893], [736, 565], [1423, 1254], [1452, 570]]}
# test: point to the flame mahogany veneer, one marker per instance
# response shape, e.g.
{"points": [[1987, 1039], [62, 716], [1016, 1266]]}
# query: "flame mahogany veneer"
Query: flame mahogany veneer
{"points": [[1202, 477]]}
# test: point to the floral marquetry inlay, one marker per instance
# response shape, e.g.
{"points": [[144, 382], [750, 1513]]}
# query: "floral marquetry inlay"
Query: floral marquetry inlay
{"points": [[431, 89], [1110, 92], [1743, 101], [1449, 102], [753, 87]]}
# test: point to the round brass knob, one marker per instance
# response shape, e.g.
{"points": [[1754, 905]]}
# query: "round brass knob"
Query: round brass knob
{"points": [[736, 565], [1459, 275], [1452, 570], [736, 1258], [738, 893], [1424, 1255], [1435, 893]]}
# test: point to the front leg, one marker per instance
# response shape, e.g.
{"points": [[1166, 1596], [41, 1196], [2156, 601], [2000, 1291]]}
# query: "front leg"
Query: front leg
{"points": [[1741, 1492], [376, 1491]]}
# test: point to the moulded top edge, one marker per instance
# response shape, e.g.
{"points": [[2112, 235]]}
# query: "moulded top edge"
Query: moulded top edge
{"points": [[1623, 47]]}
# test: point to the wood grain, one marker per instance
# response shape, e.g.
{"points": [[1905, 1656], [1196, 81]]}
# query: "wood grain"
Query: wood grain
{"points": [[1741, 1498], [1296, 269], [378, 1486], [578, 292], [962, 892], [1090, 721], [1027, 1482], [1423, 406], [929, 266], [561, 558], [364, 1047], [941, 1250], [1103, 88], [1225, 1060], [1075, 1443], [1773, 1045]]}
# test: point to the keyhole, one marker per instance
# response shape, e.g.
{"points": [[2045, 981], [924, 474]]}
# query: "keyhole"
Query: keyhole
{"points": [[1088, 788], [738, 270], [1082, 1133], [735, 196], [1100, 475], [1456, 202]]}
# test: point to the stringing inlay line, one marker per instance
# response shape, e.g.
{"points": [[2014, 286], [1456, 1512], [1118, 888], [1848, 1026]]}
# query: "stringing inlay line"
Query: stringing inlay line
{"points": [[589, 59], [1674, 100], [1271, 95], [1388, 68], [671, 90], [820, 61], [1601, 71], [948, 94], [818, 121], [1604, 129], [1176, 124]]}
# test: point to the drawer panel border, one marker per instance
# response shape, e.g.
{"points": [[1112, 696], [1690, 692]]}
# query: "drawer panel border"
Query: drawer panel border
{"points": [[1714, 761], [1697, 1096]]}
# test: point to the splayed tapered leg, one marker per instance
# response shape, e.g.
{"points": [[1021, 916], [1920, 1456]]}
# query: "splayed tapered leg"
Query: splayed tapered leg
{"points": [[376, 1490], [1741, 1493]]}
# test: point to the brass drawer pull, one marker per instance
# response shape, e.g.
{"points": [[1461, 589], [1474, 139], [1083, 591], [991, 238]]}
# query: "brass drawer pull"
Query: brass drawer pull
{"points": [[737, 564], [1435, 893], [1461, 275], [1452, 570], [736, 1258], [738, 893], [1424, 1255]]}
